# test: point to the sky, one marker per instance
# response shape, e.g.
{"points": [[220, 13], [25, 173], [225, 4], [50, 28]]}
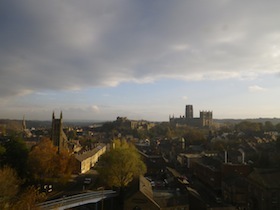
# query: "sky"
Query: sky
{"points": [[96, 60]]}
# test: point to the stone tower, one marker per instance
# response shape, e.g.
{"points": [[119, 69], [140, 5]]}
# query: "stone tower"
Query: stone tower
{"points": [[206, 118], [189, 112], [58, 136]]}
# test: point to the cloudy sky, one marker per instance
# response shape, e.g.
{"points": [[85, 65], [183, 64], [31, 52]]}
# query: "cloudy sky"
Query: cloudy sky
{"points": [[143, 59]]}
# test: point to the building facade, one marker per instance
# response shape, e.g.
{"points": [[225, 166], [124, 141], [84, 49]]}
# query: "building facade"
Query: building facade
{"points": [[87, 159], [58, 136], [205, 118]]}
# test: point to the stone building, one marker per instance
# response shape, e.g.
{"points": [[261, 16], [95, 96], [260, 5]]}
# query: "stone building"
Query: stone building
{"points": [[87, 159], [58, 136], [264, 189], [134, 124], [141, 197], [205, 118]]}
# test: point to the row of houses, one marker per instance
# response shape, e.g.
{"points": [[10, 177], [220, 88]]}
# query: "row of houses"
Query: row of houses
{"points": [[238, 184], [87, 159]]}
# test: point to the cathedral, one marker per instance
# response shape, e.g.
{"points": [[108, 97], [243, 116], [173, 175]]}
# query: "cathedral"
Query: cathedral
{"points": [[205, 118]]}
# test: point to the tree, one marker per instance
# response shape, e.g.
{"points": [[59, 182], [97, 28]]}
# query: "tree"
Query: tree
{"points": [[45, 163], [162, 129], [12, 197], [268, 126], [194, 136], [9, 186], [2, 151], [42, 159], [28, 199], [277, 127], [121, 165], [250, 128], [15, 153], [65, 163]]}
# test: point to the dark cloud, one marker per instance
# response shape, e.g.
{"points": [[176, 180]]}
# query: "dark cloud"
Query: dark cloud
{"points": [[60, 45]]}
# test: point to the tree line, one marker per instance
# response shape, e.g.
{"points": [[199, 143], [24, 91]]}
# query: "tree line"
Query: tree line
{"points": [[21, 170]]}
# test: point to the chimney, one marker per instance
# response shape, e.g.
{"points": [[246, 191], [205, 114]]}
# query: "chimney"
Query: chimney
{"points": [[243, 155]]}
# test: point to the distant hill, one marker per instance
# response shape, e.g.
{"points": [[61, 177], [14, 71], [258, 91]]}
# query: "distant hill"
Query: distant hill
{"points": [[17, 124], [11, 124], [274, 121]]}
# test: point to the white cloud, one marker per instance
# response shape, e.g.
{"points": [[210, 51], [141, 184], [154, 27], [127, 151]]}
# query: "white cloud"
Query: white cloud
{"points": [[256, 88], [70, 45], [185, 98], [180, 47], [95, 108]]}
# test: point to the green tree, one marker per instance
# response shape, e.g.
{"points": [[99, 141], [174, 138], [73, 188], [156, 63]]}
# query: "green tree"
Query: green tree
{"points": [[162, 129], [121, 165], [277, 127], [194, 136], [15, 154], [268, 126], [250, 128], [2, 151]]}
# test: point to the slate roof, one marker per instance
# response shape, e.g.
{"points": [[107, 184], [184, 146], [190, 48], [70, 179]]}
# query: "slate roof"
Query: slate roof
{"points": [[267, 178], [87, 154]]}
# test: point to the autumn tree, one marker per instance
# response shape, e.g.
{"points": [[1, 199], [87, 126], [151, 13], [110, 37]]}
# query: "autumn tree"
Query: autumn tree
{"points": [[42, 159], [28, 199], [9, 186], [65, 163], [45, 163], [12, 194]]}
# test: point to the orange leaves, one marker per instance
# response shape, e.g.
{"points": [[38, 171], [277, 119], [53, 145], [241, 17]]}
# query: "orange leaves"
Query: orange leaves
{"points": [[45, 162]]}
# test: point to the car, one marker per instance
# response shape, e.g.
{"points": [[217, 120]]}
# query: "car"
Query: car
{"points": [[47, 188], [218, 199], [87, 180]]}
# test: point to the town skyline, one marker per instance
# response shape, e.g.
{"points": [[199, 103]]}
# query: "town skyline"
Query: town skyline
{"points": [[142, 60]]}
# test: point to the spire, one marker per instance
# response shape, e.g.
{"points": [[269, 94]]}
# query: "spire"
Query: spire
{"points": [[23, 123], [53, 115], [61, 115]]}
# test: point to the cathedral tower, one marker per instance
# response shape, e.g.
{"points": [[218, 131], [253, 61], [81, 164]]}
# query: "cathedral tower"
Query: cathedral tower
{"points": [[189, 112]]}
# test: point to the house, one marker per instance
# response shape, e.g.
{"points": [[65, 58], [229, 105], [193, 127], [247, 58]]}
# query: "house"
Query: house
{"points": [[188, 159], [208, 171], [264, 189], [87, 159], [141, 196]]}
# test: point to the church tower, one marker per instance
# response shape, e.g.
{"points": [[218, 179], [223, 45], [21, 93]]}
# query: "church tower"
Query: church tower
{"points": [[58, 136], [23, 124]]}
